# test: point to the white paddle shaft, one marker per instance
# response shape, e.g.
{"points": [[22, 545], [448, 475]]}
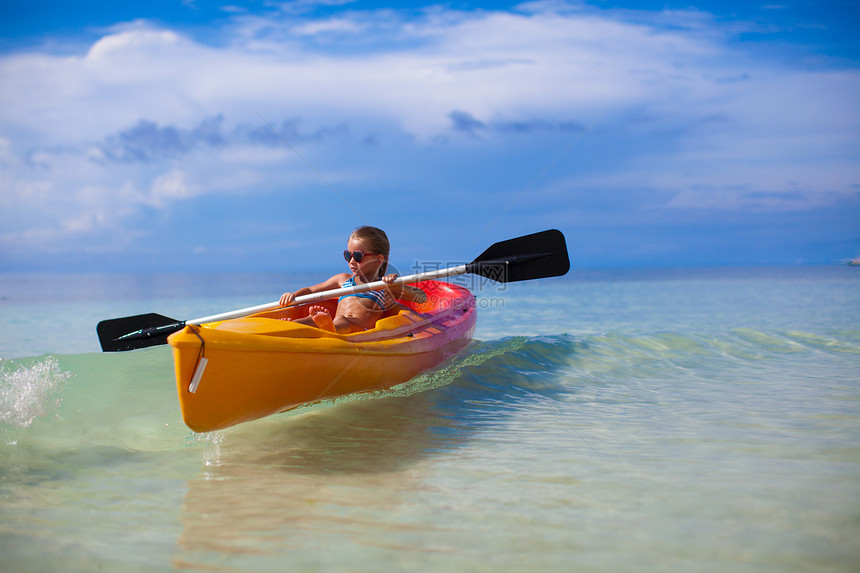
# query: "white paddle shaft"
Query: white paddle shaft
{"points": [[318, 296]]}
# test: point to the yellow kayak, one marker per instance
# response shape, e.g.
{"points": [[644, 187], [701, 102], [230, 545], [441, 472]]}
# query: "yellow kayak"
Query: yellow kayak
{"points": [[243, 369]]}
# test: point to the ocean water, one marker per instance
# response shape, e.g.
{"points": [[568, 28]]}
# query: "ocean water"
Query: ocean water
{"points": [[672, 420]]}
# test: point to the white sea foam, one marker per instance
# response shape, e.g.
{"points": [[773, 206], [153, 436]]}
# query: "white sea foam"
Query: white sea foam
{"points": [[27, 392]]}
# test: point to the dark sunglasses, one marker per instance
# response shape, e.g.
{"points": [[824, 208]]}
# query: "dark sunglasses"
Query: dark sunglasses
{"points": [[357, 255]]}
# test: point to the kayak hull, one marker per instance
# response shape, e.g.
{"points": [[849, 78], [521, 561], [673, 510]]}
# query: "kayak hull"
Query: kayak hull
{"points": [[243, 369]]}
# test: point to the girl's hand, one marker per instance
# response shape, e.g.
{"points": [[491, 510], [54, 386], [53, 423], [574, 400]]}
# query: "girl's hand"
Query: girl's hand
{"points": [[287, 298], [389, 278]]}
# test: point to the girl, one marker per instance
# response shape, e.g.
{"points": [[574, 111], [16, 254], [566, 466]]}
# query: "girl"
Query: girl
{"points": [[367, 255]]}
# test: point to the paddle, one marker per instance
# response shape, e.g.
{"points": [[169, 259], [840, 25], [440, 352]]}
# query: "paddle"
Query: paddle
{"points": [[535, 256]]}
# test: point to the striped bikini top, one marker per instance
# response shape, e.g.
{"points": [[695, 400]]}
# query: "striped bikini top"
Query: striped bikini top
{"points": [[377, 296]]}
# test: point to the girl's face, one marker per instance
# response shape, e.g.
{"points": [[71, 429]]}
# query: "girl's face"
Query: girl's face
{"points": [[368, 268]]}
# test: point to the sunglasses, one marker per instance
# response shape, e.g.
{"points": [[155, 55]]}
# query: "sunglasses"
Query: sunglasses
{"points": [[357, 255]]}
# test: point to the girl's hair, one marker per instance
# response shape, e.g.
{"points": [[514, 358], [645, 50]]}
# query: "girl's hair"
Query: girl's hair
{"points": [[377, 240]]}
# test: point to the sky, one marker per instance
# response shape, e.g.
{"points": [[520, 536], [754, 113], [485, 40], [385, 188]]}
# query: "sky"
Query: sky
{"points": [[172, 136]]}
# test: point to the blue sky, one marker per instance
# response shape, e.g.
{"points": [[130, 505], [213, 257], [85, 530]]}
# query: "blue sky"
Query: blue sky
{"points": [[244, 136]]}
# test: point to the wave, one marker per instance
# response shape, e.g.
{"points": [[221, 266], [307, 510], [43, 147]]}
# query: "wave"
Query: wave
{"points": [[129, 400], [29, 389], [100, 399], [503, 364]]}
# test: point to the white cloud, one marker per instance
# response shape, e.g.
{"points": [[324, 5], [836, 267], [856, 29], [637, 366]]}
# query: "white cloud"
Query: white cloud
{"points": [[496, 64], [148, 117], [335, 25], [131, 44], [172, 186]]}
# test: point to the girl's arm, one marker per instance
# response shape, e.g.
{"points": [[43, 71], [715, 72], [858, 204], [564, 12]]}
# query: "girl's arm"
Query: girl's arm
{"points": [[332, 283]]}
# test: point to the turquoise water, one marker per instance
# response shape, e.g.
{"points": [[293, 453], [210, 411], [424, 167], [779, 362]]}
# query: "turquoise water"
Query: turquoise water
{"points": [[683, 420]]}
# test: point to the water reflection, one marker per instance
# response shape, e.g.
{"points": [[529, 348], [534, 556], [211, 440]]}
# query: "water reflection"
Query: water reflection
{"points": [[348, 468]]}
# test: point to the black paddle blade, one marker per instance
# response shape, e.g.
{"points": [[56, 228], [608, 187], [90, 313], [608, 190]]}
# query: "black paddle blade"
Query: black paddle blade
{"points": [[134, 332], [536, 256]]}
